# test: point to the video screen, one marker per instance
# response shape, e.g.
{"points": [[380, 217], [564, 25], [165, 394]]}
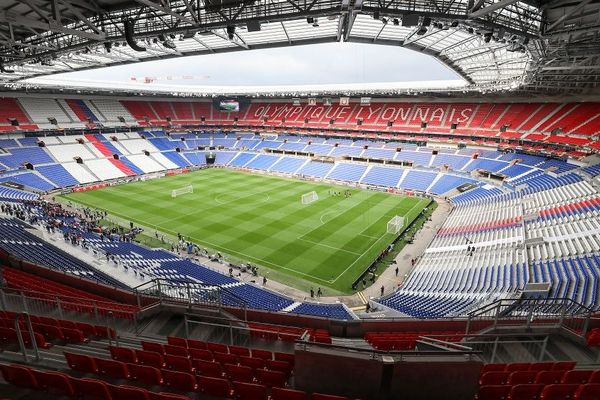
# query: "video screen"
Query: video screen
{"points": [[229, 105]]}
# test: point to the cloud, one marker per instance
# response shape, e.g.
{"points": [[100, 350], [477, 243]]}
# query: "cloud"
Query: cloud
{"points": [[330, 63]]}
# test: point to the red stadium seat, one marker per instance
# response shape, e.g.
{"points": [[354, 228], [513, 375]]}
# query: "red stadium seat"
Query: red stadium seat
{"points": [[318, 396], [178, 363], [549, 377], [91, 389], [249, 391], [281, 366], [564, 365], [494, 378], [197, 344], [153, 346], [177, 341], [208, 368], [19, 376], [199, 354], [595, 378], [225, 358], [175, 350], [521, 377], [589, 391], [54, 382], [558, 392], [239, 373], [254, 363], [81, 363], [525, 392], [112, 368], [518, 367], [493, 392], [576, 376], [145, 374], [542, 366], [265, 354], [183, 381], [271, 378], [217, 347], [492, 368], [217, 387], [167, 396], [284, 357], [128, 393], [239, 351], [287, 394], [150, 358], [123, 354]]}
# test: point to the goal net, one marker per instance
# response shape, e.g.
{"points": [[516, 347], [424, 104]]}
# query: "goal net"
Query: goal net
{"points": [[183, 190], [309, 197], [395, 225]]}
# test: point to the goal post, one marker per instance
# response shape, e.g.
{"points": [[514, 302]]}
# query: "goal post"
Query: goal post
{"points": [[309, 197], [181, 191], [395, 225]]}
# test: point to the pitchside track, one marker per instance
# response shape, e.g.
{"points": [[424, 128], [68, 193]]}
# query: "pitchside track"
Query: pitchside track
{"points": [[260, 219]]}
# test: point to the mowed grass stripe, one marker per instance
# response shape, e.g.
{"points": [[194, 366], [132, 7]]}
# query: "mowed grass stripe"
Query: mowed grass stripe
{"points": [[260, 219]]}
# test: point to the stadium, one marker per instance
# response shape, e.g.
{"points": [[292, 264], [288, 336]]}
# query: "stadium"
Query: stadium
{"points": [[161, 240]]}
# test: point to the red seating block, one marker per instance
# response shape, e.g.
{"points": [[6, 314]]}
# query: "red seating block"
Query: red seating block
{"points": [[494, 378], [564, 365], [518, 367], [252, 362], [284, 357], [225, 358], [492, 368], [282, 366], [595, 378]]}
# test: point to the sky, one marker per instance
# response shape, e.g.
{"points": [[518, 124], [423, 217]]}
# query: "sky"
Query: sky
{"points": [[329, 63]]}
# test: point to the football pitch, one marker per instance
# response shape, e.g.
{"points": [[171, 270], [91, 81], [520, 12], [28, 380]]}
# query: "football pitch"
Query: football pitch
{"points": [[260, 219]]}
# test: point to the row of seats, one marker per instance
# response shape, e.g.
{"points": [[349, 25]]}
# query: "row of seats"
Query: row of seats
{"points": [[590, 391], [223, 386], [70, 298]]}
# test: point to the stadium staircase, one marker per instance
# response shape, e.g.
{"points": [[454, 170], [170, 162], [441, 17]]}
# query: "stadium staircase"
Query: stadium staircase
{"points": [[106, 152]]}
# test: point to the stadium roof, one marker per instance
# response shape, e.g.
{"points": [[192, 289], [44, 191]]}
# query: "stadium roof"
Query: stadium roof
{"points": [[535, 46]]}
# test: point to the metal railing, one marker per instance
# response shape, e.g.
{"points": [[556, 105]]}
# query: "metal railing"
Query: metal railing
{"points": [[188, 293], [558, 312], [63, 307]]}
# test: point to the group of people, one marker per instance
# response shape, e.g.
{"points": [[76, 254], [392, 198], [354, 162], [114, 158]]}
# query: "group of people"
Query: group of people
{"points": [[319, 292], [335, 193]]}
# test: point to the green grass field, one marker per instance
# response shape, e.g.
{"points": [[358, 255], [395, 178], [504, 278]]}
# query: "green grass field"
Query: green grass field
{"points": [[260, 219]]}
